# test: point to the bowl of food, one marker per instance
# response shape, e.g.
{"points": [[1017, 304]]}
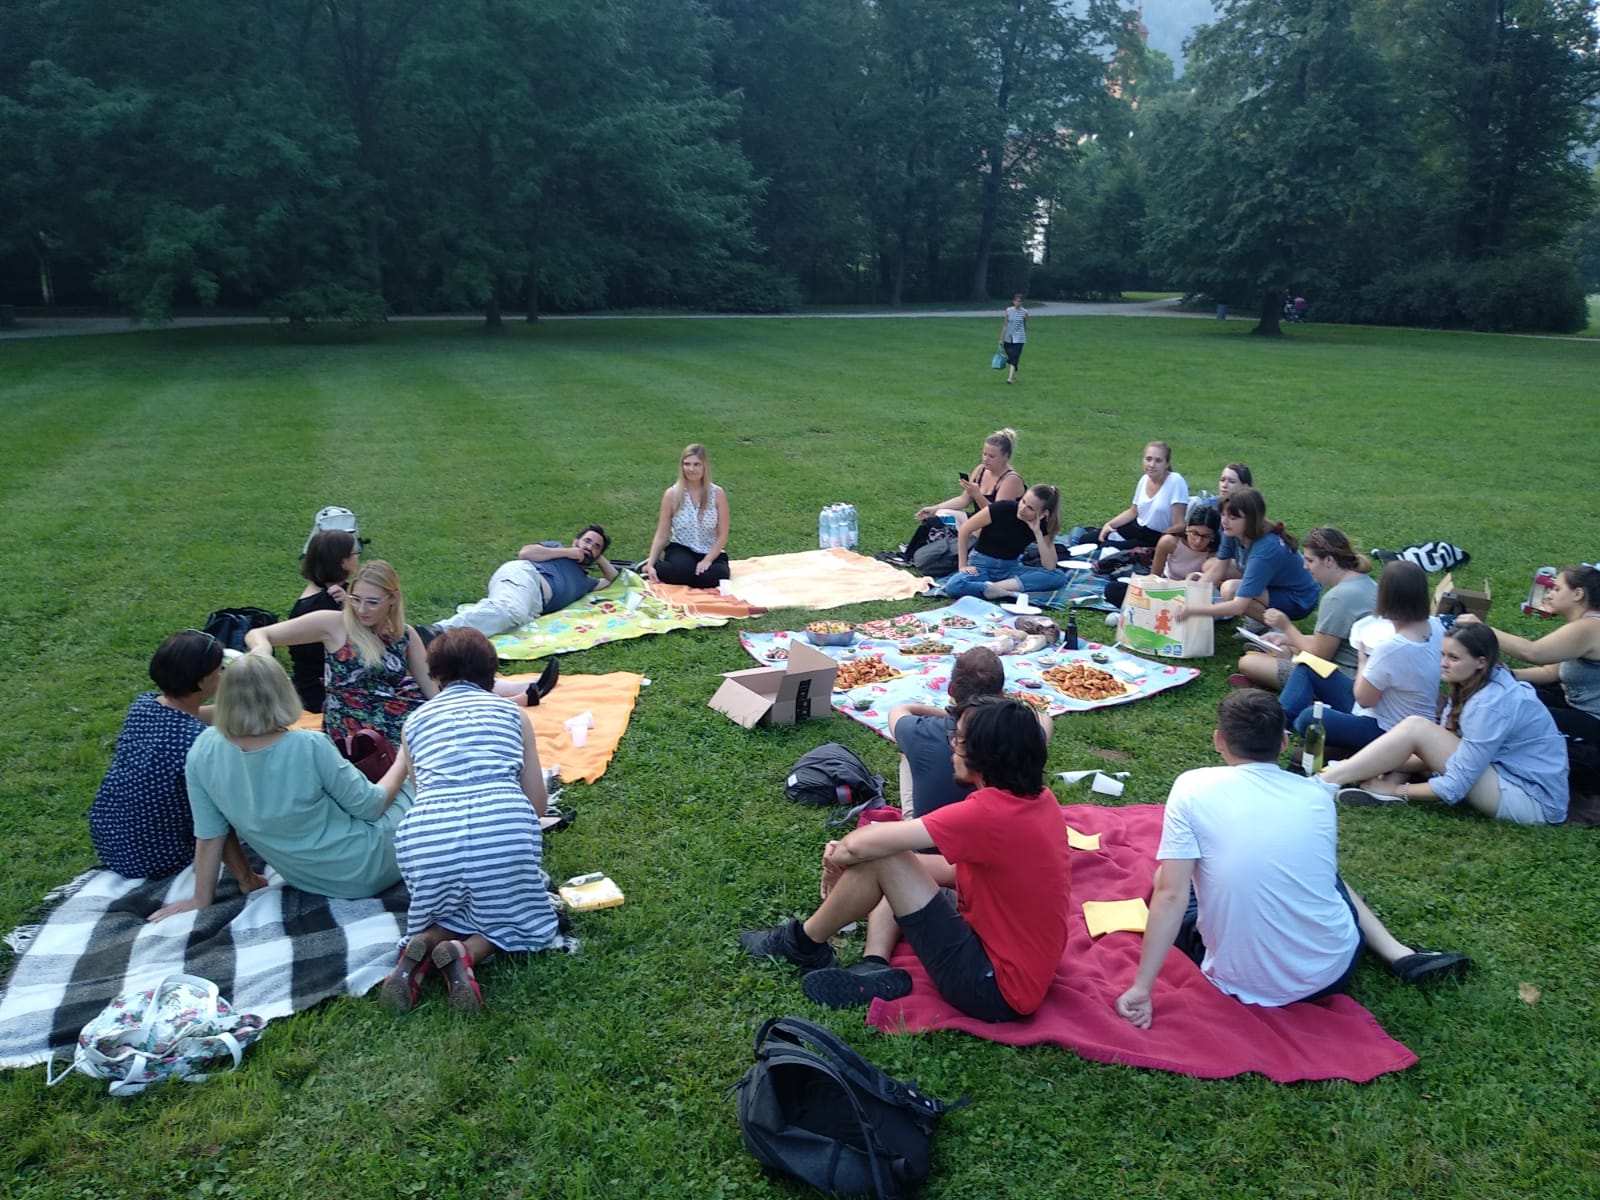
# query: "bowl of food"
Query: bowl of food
{"points": [[830, 633]]}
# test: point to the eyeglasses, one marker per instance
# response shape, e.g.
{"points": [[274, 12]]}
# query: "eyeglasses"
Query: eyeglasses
{"points": [[957, 742], [210, 639], [364, 602], [1202, 533]]}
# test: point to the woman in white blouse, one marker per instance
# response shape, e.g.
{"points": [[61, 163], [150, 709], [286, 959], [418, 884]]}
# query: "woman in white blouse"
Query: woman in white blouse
{"points": [[692, 530], [1160, 500]]}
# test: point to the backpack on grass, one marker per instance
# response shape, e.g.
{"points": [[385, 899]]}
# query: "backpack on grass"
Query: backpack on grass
{"points": [[229, 625], [833, 774], [334, 517], [813, 1108]]}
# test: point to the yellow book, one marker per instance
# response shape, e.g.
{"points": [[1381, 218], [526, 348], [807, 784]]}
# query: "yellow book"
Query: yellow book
{"points": [[1082, 841], [1318, 664], [591, 894]]}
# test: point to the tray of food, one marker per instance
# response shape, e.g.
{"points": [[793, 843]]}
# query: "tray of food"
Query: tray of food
{"points": [[1083, 682], [859, 672], [926, 648]]}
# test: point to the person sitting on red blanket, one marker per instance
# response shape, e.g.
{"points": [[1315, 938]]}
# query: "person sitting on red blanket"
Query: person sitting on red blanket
{"points": [[992, 944], [1247, 882]]}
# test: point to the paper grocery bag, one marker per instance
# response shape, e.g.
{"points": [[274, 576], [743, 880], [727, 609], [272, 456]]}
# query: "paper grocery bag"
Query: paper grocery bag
{"points": [[1148, 623]]}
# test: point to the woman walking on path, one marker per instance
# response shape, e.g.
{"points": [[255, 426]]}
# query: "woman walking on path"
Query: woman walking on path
{"points": [[1013, 333]]}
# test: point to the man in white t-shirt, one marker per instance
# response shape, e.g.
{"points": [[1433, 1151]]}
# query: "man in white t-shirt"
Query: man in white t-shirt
{"points": [[1247, 882]]}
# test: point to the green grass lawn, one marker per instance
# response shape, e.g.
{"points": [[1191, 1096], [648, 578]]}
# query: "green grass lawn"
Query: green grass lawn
{"points": [[155, 477]]}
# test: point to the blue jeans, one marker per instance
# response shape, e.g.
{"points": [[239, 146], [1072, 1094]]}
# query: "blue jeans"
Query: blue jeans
{"points": [[1337, 692], [994, 570]]}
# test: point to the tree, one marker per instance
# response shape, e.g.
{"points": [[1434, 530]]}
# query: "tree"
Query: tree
{"points": [[1259, 173]]}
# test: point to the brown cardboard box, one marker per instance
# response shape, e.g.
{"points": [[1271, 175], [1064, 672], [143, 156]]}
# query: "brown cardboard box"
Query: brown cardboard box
{"points": [[1448, 598], [801, 688]]}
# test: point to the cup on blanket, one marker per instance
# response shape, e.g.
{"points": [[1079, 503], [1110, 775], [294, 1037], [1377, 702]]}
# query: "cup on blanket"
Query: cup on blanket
{"points": [[578, 731], [725, 586], [633, 600]]}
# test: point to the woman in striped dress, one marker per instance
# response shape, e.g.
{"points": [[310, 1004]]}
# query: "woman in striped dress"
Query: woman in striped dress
{"points": [[469, 850]]}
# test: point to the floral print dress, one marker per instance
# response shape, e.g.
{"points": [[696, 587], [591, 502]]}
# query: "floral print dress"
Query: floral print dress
{"points": [[361, 697]]}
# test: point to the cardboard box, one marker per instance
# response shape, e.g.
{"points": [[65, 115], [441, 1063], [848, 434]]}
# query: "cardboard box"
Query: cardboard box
{"points": [[801, 688], [1448, 598]]}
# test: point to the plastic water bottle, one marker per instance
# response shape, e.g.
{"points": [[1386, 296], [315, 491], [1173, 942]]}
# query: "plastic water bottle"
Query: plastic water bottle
{"points": [[835, 525], [852, 528], [824, 527]]}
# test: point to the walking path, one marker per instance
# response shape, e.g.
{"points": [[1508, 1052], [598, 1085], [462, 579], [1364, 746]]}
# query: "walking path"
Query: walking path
{"points": [[37, 327]]}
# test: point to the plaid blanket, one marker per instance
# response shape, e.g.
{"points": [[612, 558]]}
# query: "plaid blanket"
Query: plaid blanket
{"points": [[276, 952]]}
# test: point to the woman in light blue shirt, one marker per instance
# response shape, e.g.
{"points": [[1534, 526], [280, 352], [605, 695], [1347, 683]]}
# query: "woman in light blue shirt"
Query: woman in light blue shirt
{"points": [[1498, 748]]}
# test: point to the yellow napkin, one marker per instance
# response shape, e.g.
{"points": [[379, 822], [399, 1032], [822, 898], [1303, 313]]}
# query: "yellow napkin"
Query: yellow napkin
{"points": [[1082, 841], [1320, 665], [1108, 916]]}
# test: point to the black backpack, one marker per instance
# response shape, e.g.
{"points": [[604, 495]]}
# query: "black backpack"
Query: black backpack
{"points": [[833, 774], [229, 625], [813, 1108]]}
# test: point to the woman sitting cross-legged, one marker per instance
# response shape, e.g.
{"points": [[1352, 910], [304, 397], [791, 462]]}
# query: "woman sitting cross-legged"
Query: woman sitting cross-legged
{"points": [[1275, 576], [1003, 531], [689, 546], [470, 848], [1498, 749], [1160, 502], [288, 794], [1394, 679], [1566, 660], [140, 822], [1349, 592]]}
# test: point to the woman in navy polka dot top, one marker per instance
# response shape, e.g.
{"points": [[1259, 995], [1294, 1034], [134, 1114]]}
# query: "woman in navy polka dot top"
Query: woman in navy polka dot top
{"points": [[140, 821]]}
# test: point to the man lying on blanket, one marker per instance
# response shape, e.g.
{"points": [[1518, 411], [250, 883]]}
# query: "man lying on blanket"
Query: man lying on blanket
{"points": [[1248, 884], [992, 944], [543, 578]]}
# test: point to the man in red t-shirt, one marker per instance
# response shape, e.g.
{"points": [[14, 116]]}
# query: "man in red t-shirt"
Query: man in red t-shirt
{"points": [[992, 944]]}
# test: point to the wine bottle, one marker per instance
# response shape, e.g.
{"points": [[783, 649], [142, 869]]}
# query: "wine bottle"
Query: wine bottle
{"points": [[1314, 744]]}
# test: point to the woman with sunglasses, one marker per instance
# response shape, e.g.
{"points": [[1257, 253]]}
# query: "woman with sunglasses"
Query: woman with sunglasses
{"points": [[140, 822], [376, 671]]}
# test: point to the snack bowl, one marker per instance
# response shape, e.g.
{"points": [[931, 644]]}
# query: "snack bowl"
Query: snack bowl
{"points": [[861, 703], [1100, 656], [829, 633]]}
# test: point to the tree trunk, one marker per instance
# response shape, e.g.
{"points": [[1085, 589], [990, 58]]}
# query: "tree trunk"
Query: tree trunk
{"points": [[989, 213], [533, 287], [1271, 313], [492, 317]]}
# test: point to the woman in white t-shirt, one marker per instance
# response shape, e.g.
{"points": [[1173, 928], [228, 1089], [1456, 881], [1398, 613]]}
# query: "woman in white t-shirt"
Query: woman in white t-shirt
{"points": [[1396, 676], [1160, 500]]}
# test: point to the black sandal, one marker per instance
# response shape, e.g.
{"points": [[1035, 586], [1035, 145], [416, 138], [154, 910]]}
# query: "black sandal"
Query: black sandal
{"points": [[1427, 965]]}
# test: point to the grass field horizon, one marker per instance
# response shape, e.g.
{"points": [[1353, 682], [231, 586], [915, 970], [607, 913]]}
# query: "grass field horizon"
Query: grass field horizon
{"points": [[153, 478]]}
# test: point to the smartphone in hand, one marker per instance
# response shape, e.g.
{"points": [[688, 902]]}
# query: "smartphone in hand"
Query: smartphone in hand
{"points": [[964, 477]]}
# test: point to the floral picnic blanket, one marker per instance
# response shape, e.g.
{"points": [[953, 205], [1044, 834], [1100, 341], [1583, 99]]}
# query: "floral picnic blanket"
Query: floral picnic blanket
{"points": [[621, 610], [924, 679], [1083, 589]]}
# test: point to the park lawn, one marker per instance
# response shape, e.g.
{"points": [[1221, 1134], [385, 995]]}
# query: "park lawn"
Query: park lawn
{"points": [[152, 478]]}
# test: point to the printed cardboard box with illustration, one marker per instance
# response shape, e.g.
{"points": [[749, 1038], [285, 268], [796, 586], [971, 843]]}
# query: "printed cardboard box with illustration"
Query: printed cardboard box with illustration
{"points": [[800, 689]]}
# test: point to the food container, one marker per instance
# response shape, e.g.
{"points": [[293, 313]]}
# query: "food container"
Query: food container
{"points": [[829, 633]]}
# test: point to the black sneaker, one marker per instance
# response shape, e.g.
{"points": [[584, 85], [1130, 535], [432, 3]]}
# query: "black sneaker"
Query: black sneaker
{"points": [[781, 943], [1427, 965], [856, 985]]}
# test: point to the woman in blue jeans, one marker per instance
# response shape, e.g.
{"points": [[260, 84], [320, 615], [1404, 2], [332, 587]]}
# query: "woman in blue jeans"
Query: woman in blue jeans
{"points": [[1396, 678], [1004, 530]]}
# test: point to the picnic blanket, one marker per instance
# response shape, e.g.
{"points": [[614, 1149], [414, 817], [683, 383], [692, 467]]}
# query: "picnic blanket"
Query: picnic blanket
{"points": [[275, 952], [1197, 1029], [623, 609], [610, 698], [819, 579], [967, 622]]}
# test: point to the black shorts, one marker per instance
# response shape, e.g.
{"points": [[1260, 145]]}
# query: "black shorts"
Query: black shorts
{"points": [[955, 959], [1013, 351]]}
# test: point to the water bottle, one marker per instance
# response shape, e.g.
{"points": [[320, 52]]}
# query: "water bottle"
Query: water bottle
{"points": [[835, 531], [824, 527], [852, 528], [1314, 743]]}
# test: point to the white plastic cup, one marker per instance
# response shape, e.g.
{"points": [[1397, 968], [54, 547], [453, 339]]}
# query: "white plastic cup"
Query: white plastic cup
{"points": [[725, 586], [1022, 599], [1106, 785], [578, 730], [634, 599]]}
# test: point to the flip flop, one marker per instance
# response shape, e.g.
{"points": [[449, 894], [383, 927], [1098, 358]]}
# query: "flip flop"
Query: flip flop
{"points": [[1357, 797], [1427, 965], [455, 961]]}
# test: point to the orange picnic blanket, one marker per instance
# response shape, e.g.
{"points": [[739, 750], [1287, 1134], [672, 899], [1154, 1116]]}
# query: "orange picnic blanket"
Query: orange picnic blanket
{"points": [[609, 697], [810, 579]]}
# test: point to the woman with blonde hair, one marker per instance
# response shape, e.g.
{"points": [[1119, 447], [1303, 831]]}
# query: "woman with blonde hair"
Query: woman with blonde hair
{"points": [[289, 794], [692, 528], [1160, 501], [375, 672]]}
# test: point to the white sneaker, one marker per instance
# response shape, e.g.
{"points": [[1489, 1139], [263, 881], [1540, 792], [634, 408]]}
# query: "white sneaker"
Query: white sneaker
{"points": [[1111, 620]]}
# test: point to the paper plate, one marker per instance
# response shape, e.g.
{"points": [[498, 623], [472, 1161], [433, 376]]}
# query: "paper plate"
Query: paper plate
{"points": [[1371, 631], [1022, 610]]}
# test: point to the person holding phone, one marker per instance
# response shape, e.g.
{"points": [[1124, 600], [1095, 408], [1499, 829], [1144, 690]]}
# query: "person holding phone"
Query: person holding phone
{"points": [[932, 548], [543, 578]]}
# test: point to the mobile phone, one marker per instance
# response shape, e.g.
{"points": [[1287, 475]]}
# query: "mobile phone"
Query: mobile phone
{"points": [[964, 477]]}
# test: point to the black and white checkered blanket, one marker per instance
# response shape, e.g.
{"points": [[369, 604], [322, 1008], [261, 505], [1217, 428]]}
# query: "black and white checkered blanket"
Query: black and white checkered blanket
{"points": [[276, 952]]}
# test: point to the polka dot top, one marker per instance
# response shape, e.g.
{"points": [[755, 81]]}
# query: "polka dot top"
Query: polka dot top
{"points": [[140, 821]]}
